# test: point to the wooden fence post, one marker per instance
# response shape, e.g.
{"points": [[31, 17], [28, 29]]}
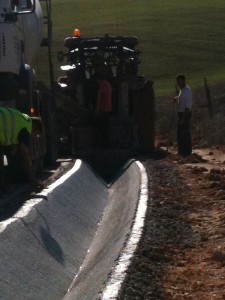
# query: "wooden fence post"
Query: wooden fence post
{"points": [[209, 99]]}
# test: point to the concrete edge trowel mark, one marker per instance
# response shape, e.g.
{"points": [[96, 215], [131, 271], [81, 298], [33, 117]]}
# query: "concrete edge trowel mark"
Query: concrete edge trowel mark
{"points": [[114, 285], [24, 211]]}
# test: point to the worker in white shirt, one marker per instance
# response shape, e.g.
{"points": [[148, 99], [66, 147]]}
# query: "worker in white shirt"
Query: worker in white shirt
{"points": [[184, 100]]}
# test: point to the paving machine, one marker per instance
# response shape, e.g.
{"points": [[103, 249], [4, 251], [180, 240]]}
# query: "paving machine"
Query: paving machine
{"points": [[132, 119]]}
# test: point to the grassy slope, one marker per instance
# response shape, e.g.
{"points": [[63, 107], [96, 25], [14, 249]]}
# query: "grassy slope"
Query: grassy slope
{"points": [[175, 36]]}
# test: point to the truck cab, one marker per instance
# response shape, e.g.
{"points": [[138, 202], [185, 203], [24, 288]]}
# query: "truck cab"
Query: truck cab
{"points": [[21, 29]]}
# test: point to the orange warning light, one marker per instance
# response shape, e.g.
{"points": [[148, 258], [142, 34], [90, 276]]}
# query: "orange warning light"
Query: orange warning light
{"points": [[76, 32], [32, 111]]}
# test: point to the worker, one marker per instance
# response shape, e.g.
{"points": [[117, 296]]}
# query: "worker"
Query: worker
{"points": [[184, 100], [16, 130], [2, 177], [103, 108]]}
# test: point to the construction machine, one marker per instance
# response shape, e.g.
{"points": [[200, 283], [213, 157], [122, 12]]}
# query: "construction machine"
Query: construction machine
{"points": [[132, 119], [22, 33]]}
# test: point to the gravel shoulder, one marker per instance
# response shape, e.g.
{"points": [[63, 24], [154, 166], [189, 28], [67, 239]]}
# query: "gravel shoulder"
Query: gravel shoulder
{"points": [[182, 251]]}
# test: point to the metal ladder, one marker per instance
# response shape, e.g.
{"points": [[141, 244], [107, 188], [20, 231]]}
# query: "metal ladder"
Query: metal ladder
{"points": [[47, 40]]}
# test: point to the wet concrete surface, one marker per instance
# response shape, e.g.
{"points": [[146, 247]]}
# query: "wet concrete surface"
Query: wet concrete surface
{"points": [[44, 243]]}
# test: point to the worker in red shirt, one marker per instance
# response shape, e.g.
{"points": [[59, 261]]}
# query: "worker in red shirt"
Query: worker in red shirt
{"points": [[103, 109]]}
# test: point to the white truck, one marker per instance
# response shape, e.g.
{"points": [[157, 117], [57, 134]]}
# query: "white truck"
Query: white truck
{"points": [[21, 35]]}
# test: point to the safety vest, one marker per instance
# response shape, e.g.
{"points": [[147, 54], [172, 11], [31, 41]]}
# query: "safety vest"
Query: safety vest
{"points": [[11, 122]]}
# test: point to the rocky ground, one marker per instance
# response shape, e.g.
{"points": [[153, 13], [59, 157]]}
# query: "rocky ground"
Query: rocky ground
{"points": [[182, 252]]}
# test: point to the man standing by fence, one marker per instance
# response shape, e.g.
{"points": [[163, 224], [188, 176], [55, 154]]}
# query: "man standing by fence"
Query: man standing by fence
{"points": [[184, 100]]}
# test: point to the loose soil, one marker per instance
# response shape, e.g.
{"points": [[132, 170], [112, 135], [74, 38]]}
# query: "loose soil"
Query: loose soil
{"points": [[182, 251]]}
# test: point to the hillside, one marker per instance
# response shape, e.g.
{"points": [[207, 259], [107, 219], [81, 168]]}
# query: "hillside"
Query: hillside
{"points": [[175, 36]]}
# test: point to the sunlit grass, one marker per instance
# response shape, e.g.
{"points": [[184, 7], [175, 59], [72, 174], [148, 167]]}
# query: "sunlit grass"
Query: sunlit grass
{"points": [[175, 36]]}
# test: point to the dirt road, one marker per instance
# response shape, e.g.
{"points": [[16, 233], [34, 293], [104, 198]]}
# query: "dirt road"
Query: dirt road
{"points": [[182, 253]]}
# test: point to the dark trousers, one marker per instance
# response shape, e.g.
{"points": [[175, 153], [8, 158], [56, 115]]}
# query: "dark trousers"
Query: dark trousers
{"points": [[15, 165], [103, 129], [184, 137], [14, 171]]}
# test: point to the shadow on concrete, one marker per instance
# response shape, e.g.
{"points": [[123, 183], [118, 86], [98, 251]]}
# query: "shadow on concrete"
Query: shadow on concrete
{"points": [[12, 202], [48, 242], [108, 164], [51, 245], [9, 205]]}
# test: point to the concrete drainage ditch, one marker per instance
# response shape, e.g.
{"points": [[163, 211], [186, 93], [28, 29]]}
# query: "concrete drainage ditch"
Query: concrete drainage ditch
{"points": [[71, 242]]}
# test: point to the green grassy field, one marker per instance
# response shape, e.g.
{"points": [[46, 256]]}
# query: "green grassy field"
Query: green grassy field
{"points": [[175, 36]]}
